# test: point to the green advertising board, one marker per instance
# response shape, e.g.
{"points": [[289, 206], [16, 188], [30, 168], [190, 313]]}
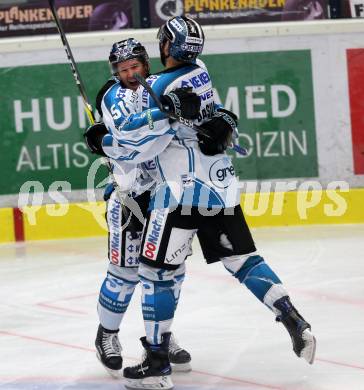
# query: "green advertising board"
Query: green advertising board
{"points": [[273, 94], [42, 117], [42, 120]]}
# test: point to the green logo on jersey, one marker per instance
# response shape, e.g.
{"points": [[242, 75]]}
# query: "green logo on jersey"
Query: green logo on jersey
{"points": [[150, 120]]}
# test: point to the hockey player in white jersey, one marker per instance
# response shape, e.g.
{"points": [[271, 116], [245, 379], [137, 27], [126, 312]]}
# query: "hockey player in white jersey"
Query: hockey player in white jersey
{"points": [[126, 58], [196, 193]]}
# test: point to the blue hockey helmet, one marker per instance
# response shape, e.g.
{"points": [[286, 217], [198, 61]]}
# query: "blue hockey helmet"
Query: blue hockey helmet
{"points": [[125, 50], [185, 36]]}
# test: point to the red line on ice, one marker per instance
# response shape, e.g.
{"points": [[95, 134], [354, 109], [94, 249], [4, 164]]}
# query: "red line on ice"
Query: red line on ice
{"points": [[76, 297], [54, 379], [46, 341], [330, 297], [50, 304], [93, 350], [339, 363], [47, 305], [226, 279], [6, 333]]}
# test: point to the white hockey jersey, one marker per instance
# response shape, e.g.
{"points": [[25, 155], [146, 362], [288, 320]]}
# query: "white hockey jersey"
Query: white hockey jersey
{"points": [[141, 134]]}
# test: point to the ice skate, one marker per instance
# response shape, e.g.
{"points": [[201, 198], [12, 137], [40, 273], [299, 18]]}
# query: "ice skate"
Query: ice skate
{"points": [[304, 342], [179, 358], [108, 351], [154, 372]]}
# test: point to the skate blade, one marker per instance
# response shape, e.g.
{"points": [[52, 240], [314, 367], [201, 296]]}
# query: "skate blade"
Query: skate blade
{"points": [[116, 374], [308, 353], [182, 367], [150, 383]]}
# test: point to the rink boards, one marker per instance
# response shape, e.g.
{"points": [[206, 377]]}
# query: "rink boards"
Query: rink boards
{"points": [[262, 209], [283, 79]]}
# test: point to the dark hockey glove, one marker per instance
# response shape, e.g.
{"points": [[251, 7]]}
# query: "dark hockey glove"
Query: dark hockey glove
{"points": [[93, 138], [219, 130], [182, 102]]}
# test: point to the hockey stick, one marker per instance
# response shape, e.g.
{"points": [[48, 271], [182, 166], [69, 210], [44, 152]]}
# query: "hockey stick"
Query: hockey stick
{"points": [[186, 122], [126, 200], [72, 62]]}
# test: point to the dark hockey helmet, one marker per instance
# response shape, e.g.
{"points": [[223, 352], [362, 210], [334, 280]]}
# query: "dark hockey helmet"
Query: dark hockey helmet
{"points": [[125, 50], [185, 36]]}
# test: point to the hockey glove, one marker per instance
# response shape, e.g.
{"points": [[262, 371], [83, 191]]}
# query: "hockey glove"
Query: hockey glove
{"points": [[220, 130], [182, 102], [93, 138]]}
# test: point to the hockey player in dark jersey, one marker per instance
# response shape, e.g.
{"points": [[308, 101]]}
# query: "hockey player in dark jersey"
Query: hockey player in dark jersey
{"points": [[190, 173], [126, 58]]}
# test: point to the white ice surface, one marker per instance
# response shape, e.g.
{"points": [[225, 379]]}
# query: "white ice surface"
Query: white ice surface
{"points": [[48, 320]]}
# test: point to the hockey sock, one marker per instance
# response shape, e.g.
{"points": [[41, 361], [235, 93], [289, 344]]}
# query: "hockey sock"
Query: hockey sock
{"points": [[158, 304], [114, 299], [259, 278], [178, 280]]}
